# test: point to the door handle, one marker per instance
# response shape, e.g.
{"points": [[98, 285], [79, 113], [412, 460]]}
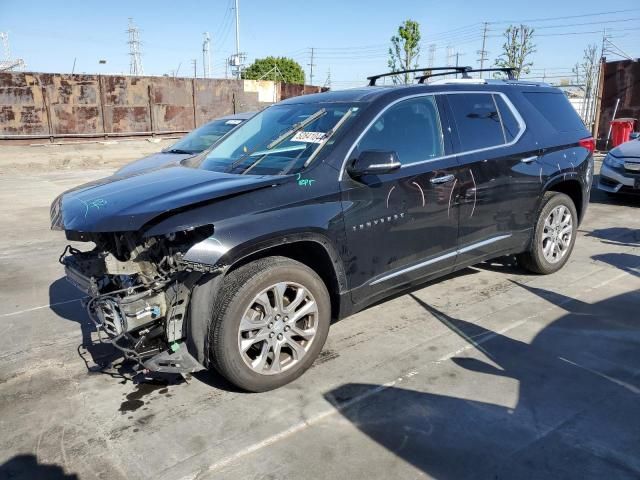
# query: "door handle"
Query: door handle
{"points": [[529, 159], [443, 179]]}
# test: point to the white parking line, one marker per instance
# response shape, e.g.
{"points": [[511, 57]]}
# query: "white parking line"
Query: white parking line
{"points": [[297, 427], [628, 386], [10, 314], [321, 416]]}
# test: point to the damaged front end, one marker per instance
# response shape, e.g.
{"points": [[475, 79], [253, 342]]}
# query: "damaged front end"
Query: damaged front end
{"points": [[138, 293]]}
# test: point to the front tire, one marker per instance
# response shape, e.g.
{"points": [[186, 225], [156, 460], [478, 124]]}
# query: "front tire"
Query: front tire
{"points": [[271, 321], [554, 235]]}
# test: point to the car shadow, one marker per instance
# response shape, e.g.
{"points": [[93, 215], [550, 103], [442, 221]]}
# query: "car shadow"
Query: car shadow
{"points": [[576, 406], [507, 264], [27, 467], [622, 236], [61, 296]]}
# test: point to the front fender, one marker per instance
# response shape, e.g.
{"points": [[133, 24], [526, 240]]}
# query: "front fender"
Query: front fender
{"points": [[238, 238]]}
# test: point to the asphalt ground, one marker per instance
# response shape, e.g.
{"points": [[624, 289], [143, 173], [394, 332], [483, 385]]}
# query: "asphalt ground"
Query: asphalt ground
{"points": [[489, 373]]}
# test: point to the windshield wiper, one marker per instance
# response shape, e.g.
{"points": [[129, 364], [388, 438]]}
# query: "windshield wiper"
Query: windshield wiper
{"points": [[281, 138], [327, 137], [180, 151]]}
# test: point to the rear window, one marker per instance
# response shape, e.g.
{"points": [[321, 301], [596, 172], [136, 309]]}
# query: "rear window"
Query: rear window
{"points": [[557, 110]]}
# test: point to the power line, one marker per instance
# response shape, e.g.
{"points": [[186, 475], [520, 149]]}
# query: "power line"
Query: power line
{"points": [[601, 22], [549, 19]]}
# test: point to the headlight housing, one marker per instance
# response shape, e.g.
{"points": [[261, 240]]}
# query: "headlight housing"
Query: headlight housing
{"points": [[611, 161]]}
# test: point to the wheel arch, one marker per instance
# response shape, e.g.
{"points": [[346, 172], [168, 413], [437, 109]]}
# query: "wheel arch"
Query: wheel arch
{"points": [[571, 187], [312, 250], [315, 253]]}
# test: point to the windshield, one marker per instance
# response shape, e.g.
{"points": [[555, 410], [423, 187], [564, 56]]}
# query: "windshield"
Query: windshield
{"points": [[281, 139], [202, 138]]}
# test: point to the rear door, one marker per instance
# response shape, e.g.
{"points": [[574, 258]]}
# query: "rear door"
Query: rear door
{"points": [[400, 226], [500, 174]]}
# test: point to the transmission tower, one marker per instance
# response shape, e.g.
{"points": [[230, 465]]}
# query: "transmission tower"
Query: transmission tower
{"points": [[327, 82], [451, 55], [135, 51], [432, 54], [206, 55], [8, 63]]}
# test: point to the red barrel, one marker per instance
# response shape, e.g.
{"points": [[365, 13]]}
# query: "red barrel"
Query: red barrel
{"points": [[621, 128]]}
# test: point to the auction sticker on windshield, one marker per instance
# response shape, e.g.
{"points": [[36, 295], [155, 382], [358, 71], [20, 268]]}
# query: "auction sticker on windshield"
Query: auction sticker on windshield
{"points": [[309, 137]]}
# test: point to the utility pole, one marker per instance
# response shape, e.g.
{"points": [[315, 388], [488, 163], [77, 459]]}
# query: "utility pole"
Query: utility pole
{"points": [[597, 100], [238, 67], [311, 65], [483, 52], [194, 62], [206, 55], [135, 64]]}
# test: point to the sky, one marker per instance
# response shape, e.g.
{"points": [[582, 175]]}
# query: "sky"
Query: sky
{"points": [[350, 38]]}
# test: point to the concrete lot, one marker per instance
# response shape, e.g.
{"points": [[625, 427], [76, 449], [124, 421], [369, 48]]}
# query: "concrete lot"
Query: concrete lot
{"points": [[491, 373]]}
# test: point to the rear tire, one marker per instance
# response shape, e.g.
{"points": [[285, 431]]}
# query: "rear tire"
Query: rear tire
{"points": [[256, 339], [554, 235]]}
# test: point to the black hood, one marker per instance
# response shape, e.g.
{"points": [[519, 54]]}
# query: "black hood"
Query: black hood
{"points": [[126, 203]]}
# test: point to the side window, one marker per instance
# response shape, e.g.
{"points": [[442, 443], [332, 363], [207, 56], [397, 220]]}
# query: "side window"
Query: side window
{"points": [[509, 122], [411, 128], [477, 120]]}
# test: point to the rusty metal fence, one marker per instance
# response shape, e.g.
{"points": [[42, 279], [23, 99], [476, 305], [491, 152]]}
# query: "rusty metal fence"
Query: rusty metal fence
{"points": [[621, 82], [45, 105]]}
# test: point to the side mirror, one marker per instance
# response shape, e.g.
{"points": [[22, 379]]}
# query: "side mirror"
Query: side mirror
{"points": [[634, 136], [374, 162]]}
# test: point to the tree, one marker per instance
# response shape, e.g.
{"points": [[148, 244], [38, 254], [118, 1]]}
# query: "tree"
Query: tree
{"points": [[277, 69], [517, 49], [587, 75], [405, 50]]}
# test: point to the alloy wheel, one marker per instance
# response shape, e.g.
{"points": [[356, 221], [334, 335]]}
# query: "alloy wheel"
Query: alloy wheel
{"points": [[557, 234], [278, 328]]}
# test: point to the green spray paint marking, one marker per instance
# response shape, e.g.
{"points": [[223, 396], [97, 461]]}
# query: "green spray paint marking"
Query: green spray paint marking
{"points": [[304, 182]]}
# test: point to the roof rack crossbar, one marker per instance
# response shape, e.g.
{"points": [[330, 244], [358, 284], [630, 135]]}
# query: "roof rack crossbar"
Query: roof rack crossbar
{"points": [[510, 71], [374, 78], [448, 71]]}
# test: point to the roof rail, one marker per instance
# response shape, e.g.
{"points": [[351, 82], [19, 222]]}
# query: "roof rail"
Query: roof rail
{"points": [[448, 71], [510, 71], [374, 78]]}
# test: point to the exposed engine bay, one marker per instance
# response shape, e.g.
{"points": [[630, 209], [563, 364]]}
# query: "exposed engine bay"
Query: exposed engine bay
{"points": [[138, 292]]}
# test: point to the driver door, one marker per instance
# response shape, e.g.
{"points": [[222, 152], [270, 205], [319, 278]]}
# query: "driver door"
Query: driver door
{"points": [[401, 226]]}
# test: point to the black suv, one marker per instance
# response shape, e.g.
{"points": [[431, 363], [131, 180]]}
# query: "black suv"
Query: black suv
{"points": [[239, 258]]}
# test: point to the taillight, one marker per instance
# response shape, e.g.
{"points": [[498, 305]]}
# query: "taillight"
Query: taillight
{"points": [[588, 143]]}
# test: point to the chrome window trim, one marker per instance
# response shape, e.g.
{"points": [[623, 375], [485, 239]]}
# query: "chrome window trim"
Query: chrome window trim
{"points": [[514, 111], [431, 261]]}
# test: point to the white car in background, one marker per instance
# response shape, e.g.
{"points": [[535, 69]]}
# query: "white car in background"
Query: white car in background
{"points": [[620, 172]]}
